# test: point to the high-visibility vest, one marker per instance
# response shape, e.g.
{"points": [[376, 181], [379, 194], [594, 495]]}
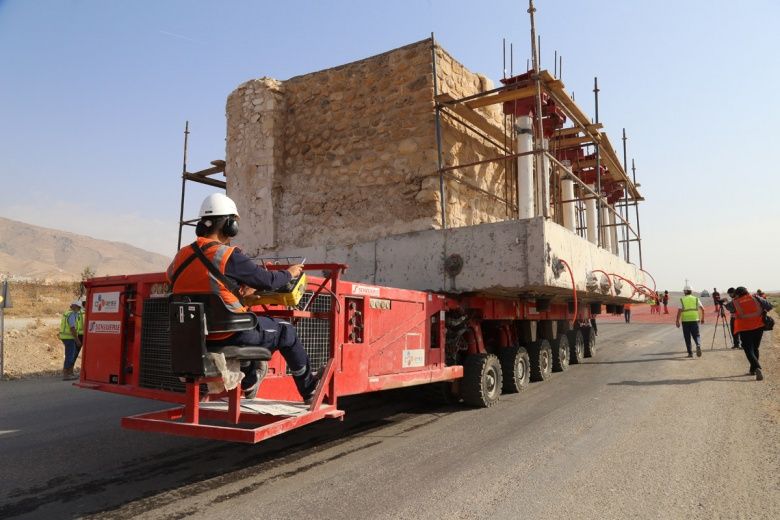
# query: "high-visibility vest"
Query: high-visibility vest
{"points": [[690, 308], [64, 327], [80, 323], [195, 277], [748, 314]]}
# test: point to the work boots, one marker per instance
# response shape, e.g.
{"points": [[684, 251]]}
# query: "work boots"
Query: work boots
{"points": [[68, 375]]}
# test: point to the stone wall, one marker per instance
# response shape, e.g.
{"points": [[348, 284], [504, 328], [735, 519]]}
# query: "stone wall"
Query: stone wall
{"points": [[349, 154]]}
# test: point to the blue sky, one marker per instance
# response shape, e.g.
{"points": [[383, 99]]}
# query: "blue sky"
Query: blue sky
{"points": [[94, 95]]}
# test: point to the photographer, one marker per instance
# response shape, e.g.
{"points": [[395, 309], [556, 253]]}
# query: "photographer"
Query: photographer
{"points": [[749, 311], [734, 335]]}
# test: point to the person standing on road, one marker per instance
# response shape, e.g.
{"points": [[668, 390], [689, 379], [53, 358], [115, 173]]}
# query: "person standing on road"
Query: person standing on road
{"points": [[69, 327], [665, 299], [627, 312], [735, 342], [749, 311], [716, 299], [690, 313]]}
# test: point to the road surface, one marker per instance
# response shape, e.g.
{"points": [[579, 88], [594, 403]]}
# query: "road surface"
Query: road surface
{"points": [[639, 431]]}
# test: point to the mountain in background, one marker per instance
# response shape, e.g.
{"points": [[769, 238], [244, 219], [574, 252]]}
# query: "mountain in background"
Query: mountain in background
{"points": [[34, 252]]}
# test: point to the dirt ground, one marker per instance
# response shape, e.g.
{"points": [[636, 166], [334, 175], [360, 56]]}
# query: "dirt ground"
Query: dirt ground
{"points": [[31, 344]]}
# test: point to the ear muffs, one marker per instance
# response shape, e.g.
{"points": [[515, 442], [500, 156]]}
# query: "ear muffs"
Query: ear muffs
{"points": [[230, 227]]}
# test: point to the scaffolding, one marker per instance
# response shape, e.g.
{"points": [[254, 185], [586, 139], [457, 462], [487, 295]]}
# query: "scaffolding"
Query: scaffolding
{"points": [[200, 177], [580, 153]]}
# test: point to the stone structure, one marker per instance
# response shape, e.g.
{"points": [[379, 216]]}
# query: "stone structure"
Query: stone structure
{"points": [[349, 154], [341, 165]]}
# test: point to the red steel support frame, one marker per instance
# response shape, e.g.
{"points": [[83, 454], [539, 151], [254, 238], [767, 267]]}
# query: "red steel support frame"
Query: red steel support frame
{"points": [[394, 320]]}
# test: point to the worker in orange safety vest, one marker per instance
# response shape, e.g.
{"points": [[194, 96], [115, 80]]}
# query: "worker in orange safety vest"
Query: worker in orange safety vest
{"points": [[233, 274], [749, 312]]}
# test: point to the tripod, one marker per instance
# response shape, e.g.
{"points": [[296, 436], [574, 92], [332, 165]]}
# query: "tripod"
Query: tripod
{"points": [[724, 324]]}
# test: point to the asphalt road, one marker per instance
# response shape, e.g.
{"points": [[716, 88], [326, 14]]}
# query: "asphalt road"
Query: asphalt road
{"points": [[638, 431]]}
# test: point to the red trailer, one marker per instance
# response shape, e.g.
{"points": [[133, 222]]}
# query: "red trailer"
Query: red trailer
{"points": [[365, 337]]}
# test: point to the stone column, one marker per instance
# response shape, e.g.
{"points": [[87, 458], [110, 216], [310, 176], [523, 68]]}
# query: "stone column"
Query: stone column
{"points": [[254, 155]]}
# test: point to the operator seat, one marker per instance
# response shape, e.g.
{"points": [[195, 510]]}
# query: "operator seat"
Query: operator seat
{"points": [[191, 316]]}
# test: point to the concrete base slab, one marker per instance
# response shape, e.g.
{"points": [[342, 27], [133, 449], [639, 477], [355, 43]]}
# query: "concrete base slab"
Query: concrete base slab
{"points": [[511, 258]]}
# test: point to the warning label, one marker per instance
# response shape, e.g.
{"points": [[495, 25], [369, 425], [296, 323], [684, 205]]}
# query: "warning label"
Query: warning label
{"points": [[103, 327], [413, 358], [105, 302], [364, 290]]}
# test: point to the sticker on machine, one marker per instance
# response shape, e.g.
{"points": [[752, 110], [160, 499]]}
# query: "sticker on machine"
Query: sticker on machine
{"points": [[413, 358], [103, 327], [364, 290], [107, 302]]}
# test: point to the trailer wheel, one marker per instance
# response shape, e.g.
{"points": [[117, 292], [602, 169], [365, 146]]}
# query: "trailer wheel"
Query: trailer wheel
{"points": [[577, 346], [481, 385], [541, 360], [515, 369], [560, 353], [590, 342]]}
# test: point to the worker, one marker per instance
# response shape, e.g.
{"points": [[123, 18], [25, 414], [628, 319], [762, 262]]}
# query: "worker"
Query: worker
{"points": [[80, 327], [690, 313], [666, 302], [627, 312], [735, 342], [69, 326], [240, 276], [749, 311], [761, 294], [716, 299]]}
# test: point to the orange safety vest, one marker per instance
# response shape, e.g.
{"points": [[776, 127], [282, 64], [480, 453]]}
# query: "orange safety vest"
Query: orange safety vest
{"points": [[195, 277], [748, 314]]}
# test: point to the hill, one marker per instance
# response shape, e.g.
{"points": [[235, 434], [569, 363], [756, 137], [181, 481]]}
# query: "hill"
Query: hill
{"points": [[34, 252]]}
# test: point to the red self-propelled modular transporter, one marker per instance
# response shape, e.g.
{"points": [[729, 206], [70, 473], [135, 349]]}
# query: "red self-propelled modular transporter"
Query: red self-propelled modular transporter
{"points": [[364, 337]]}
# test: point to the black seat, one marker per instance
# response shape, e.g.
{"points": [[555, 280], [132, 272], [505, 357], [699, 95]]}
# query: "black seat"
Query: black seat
{"points": [[192, 317]]}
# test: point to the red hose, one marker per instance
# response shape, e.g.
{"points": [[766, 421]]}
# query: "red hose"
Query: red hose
{"points": [[655, 286], [605, 274], [573, 289]]}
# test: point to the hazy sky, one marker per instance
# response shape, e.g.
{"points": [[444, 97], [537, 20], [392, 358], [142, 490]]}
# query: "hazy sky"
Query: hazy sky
{"points": [[94, 95]]}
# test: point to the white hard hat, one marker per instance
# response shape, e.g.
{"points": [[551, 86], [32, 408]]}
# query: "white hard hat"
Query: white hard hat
{"points": [[77, 303], [217, 204], [687, 288]]}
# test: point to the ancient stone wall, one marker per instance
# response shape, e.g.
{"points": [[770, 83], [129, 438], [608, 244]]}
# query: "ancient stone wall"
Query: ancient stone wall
{"points": [[349, 154]]}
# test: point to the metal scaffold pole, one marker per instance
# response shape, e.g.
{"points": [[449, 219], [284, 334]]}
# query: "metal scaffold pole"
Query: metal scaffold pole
{"points": [[626, 236], [539, 145], [183, 182], [599, 232], [636, 207]]}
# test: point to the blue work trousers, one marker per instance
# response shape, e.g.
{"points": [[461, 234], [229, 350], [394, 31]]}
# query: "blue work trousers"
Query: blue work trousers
{"points": [[751, 340], [275, 335], [71, 353], [691, 329]]}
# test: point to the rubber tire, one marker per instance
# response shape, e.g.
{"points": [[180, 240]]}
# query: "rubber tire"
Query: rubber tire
{"points": [[481, 386], [541, 360], [576, 346], [590, 343], [560, 351], [515, 369]]}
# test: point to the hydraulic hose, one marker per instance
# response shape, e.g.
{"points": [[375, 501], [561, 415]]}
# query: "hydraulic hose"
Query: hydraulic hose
{"points": [[573, 290], [605, 274]]}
